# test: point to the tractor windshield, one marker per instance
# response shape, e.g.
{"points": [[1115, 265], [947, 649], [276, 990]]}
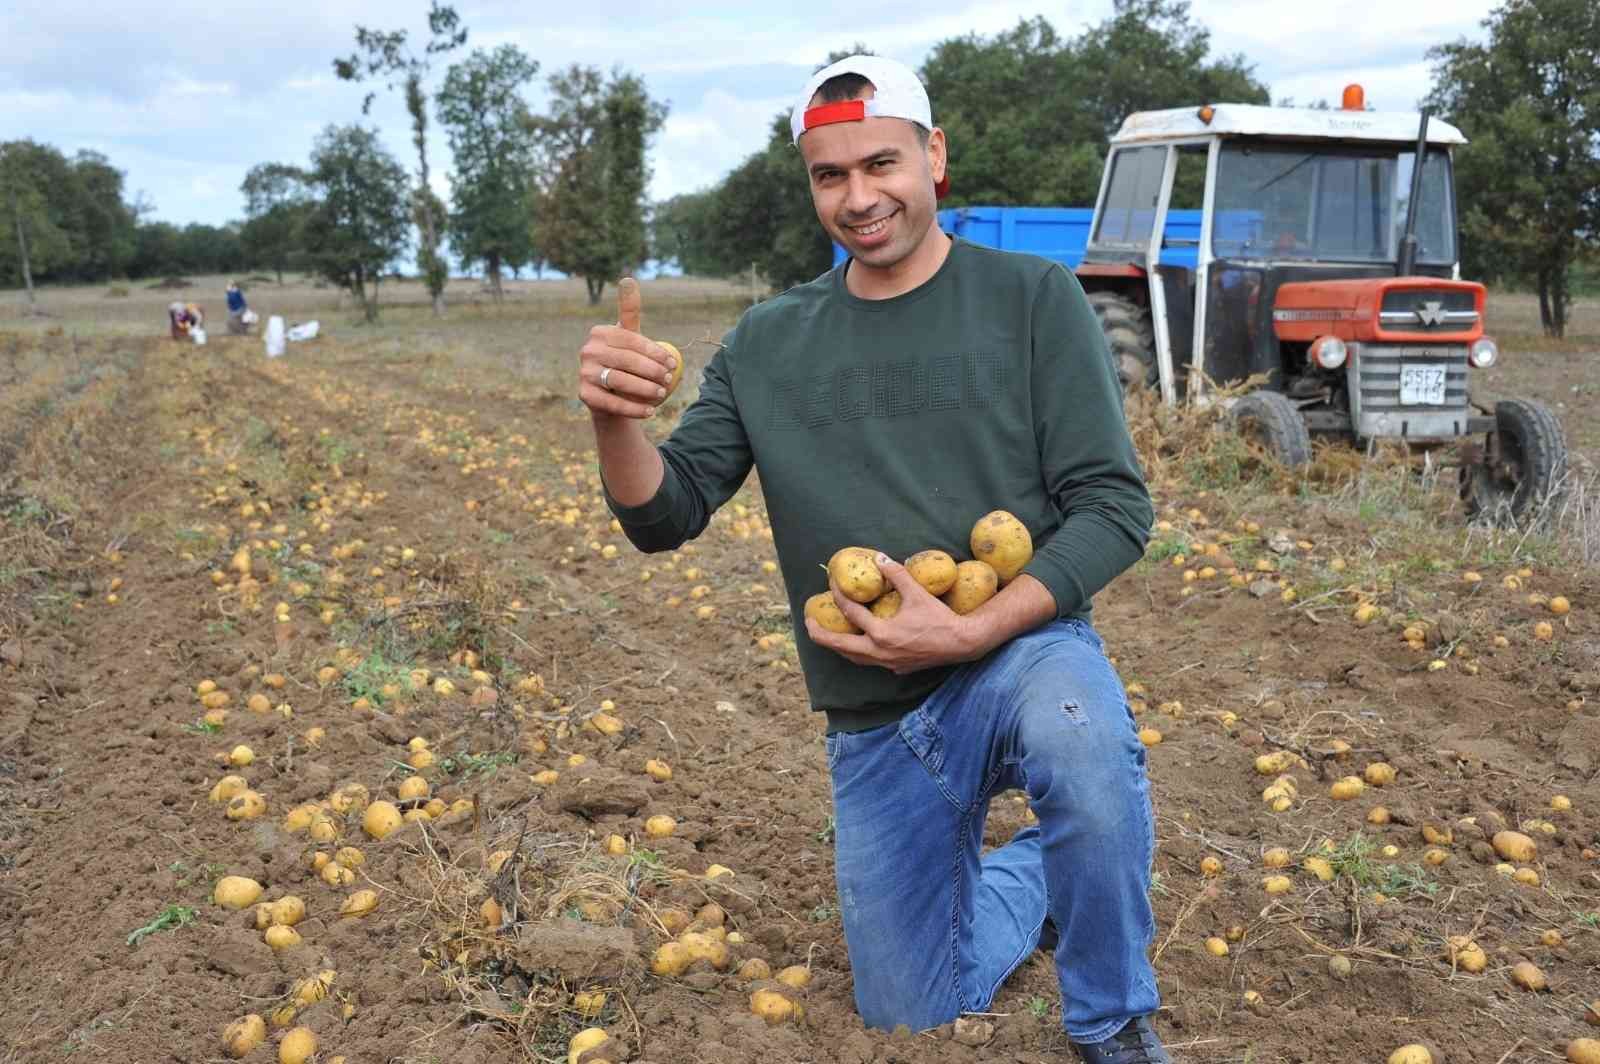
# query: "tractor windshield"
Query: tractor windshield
{"points": [[1345, 205]]}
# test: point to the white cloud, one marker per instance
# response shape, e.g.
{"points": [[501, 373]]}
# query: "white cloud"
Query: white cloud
{"points": [[185, 95]]}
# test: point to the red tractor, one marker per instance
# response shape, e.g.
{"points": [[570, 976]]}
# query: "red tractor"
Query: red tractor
{"points": [[1327, 262]]}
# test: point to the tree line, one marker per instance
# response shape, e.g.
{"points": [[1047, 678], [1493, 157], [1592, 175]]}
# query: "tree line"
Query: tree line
{"points": [[1029, 113]]}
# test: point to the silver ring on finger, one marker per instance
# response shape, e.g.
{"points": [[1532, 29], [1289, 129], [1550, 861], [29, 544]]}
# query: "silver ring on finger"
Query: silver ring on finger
{"points": [[605, 378]]}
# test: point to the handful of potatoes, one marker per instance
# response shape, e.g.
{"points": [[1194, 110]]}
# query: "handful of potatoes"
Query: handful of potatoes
{"points": [[1001, 546]]}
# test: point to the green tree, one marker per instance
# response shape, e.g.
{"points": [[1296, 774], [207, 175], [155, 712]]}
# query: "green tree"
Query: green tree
{"points": [[682, 232], [361, 218], [592, 211], [386, 55], [1528, 99], [277, 200], [491, 138], [105, 222], [34, 241]]}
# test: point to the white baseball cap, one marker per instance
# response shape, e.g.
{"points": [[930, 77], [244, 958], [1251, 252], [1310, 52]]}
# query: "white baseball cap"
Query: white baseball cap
{"points": [[897, 93]]}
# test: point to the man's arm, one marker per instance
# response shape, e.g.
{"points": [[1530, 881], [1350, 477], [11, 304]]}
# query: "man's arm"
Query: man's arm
{"points": [[1091, 470]]}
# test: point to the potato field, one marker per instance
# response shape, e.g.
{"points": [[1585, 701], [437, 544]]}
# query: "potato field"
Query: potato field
{"points": [[340, 722]]}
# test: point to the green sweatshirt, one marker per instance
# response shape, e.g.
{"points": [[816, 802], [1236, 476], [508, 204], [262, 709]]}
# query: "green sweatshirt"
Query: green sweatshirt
{"points": [[896, 424]]}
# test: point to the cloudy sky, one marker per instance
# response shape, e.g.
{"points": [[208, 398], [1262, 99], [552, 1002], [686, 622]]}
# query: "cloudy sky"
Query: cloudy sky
{"points": [[185, 96]]}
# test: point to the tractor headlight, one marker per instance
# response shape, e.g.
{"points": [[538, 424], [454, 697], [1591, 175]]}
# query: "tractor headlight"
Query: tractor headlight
{"points": [[1483, 353], [1329, 352]]}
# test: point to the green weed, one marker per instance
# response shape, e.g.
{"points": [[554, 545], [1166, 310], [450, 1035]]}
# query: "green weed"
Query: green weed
{"points": [[168, 919]]}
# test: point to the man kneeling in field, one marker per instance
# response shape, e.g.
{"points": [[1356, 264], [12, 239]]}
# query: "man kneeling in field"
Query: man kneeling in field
{"points": [[891, 403]]}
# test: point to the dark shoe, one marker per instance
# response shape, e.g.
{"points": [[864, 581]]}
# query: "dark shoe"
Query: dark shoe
{"points": [[1136, 1043], [1049, 936]]}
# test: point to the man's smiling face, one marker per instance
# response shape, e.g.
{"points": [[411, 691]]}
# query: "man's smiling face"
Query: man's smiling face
{"points": [[872, 185]]}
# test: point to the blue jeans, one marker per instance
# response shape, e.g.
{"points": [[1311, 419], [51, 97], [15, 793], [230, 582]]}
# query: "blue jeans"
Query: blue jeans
{"points": [[933, 927]]}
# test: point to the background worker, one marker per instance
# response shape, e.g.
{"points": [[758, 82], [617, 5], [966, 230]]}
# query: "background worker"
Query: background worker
{"points": [[890, 403], [237, 323], [184, 317]]}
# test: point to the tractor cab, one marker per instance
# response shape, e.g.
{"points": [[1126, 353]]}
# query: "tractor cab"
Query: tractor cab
{"points": [[1326, 265]]}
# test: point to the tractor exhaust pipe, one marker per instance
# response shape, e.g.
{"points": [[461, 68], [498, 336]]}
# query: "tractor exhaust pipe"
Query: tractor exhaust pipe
{"points": [[1408, 243]]}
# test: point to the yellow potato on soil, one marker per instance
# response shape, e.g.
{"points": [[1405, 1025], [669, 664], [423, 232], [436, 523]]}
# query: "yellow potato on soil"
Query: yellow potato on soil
{"points": [[773, 1007], [703, 947], [227, 787], [976, 583], [1466, 954], [280, 937], [243, 1035], [855, 570], [755, 968], [589, 1003], [796, 975], [933, 569], [1216, 947], [658, 770], [1210, 866], [412, 788], [288, 910], [1515, 846], [1591, 1015], [1583, 1051], [1347, 788], [1411, 1054], [1001, 540], [246, 805], [1276, 857], [1275, 762], [660, 826], [236, 892], [1380, 774], [360, 903], [886, 605], [1527, 975], [297, 1047], [380, 819], [671, 958], [822, 609]]}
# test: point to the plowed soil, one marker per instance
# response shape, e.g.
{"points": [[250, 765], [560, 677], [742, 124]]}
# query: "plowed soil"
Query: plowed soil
{"points": [[410, 518]]}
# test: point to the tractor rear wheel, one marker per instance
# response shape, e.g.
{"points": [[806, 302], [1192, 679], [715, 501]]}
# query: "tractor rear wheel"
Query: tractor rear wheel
{"points": [[1272, 421], [1523, 462], [1131, 338]]}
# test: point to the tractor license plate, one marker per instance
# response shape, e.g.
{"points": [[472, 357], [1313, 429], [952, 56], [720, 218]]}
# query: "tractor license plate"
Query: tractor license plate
{"points": [[1422, 385]]}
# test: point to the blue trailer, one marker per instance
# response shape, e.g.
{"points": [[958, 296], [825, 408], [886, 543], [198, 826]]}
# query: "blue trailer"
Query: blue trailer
{"points": [[1059, 233]]}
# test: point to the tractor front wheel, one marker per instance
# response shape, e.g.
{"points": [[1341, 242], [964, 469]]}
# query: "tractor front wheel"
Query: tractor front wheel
{"points": [[1130, 337], [1524, 461], [1273, 422]]}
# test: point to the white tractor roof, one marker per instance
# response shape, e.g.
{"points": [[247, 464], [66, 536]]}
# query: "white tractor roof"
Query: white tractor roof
{"points": [[1251, 120]]}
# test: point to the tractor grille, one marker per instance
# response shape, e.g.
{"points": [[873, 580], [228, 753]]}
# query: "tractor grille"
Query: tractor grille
{"points": [[1414, 310], [1374, 378]]}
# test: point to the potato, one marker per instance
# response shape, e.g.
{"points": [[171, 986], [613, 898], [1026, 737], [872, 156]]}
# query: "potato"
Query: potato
{"points": [[660, 826], [360, 903], [1210, 866], [1216, 947], [297, 1047], [1320, 867], [1380, 773], [658, 770], [886, 605], [773, 1006], [677, 365], [348, 797], [796, 975], [246, 805], [1347, 788], [855, 570], [755, 968], [280, 937], [1515, 846], [976, 583], [703, 947], [413, 787], [1274, 763], [1528, 976], [313, 988], [1411, 1054], [615, 845], [229, 786], [236, 892], [300, 817], [671, 958], [933, 569], [1276, 857], [826, 612], [336, 875], [380, 819], [1277, 884], [1466, 954], [585, 1040], [1583, 1051], [1001, 540], [243, 1035], [288, 910], [1591, 1015]]}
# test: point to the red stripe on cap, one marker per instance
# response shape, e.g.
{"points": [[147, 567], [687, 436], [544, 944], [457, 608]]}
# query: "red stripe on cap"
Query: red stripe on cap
{"points": [[843, 111]]}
